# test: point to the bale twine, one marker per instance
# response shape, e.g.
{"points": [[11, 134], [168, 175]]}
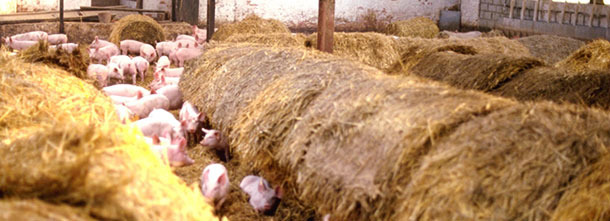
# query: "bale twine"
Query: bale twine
{"points": [[32, 209], [271, 39], [421, 27], [550, 48], [137, 27], [370, 48], [592, 56], [252, 24], [348, 140], [75, 62], [63, 144]]}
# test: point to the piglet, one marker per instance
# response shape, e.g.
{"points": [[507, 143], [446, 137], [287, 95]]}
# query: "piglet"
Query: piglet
{"points": [[142, 107], [141, 66], [115, 71], [200, 34], [165, 47], [193, 121], [121, 99], [262, 197], [172, 152], [123, 113], [169, 72], [185, 44], [186, 37], [163, 81], [56, 39], [19, 45], [130, 46], [148, 52], [215, 184], [126, 90], [185, 54], [172, 92], [68, 47], [31, 36], [163, 62], [103, 53], [125, 63], [160, 123], [99, 73], [215, 140], [99, 43]]}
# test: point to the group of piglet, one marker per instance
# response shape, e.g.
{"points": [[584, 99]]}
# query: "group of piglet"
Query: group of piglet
{"points": [[166, 135], [26, 40]]}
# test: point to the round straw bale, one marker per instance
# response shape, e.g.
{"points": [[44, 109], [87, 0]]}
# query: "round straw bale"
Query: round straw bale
{"points": [[32, 209], [550, 48], [370, 48], [63, 143], [513, 164], [587, 198], [558, 85], [137, 27], [415, 27], [353, 141], [252, 24], [75, 62], [592, 56], [271, 39], [480, 72]]}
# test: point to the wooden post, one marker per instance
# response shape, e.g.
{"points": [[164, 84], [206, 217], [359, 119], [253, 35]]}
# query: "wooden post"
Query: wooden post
{"points": [[61, 17], [211, 17], [174, 18], [326, 25], [512, 6], [576, 10], [139, 4], [550, 11], [523, 6], [593, 9], [537, 4], [563, 11]]}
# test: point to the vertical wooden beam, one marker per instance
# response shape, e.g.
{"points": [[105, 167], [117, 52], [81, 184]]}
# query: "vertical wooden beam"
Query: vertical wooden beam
{"points": [[211, 19], [549, 12], [576, 10], [326, 25], [512, 7], [174, 18], [537, 4], [523, 6], [139, 4], [61, 17]]}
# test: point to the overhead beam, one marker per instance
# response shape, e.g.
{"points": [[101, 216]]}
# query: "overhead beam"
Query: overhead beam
{"points": [[326, 25], [211, 19]]}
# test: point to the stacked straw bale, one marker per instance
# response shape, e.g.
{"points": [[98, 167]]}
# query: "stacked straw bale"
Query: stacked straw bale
{"points": [[33, 209], [137, 27], [592, 56], [362, 145], [420, 27], [271, 39], [550, 48], [252, 24], [75, 62], [62, 144]]}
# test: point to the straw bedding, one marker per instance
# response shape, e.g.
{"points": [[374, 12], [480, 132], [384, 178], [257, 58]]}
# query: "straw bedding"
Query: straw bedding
{"points": [[345, 139], [550, 48], [421, 27], [137, 27], [63, 145], [252, 24], [270, 39], [75, 62], [39, 210]]}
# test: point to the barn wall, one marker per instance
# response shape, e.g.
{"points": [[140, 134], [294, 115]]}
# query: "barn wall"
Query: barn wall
{"points": [[303, 14], [470, 12], [43, 5]]}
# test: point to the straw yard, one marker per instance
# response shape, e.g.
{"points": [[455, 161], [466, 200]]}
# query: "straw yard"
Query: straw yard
{"points": [[399, 124]]}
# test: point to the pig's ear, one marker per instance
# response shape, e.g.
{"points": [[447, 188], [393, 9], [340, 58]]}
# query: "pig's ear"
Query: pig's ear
{"points": [[153, 91], [279, 192], [156, 139], [162, 78], [116, 69], [182, 144], [261, 186], [183, 123], [217, 135], [222, 178], [205, 131], [96, 39], [140, 94], [201, 117]]}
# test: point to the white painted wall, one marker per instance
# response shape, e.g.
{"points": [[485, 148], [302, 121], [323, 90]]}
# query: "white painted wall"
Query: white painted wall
{"points": [[305, 12], [43, 5], [10, 6], [470, 12]]}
